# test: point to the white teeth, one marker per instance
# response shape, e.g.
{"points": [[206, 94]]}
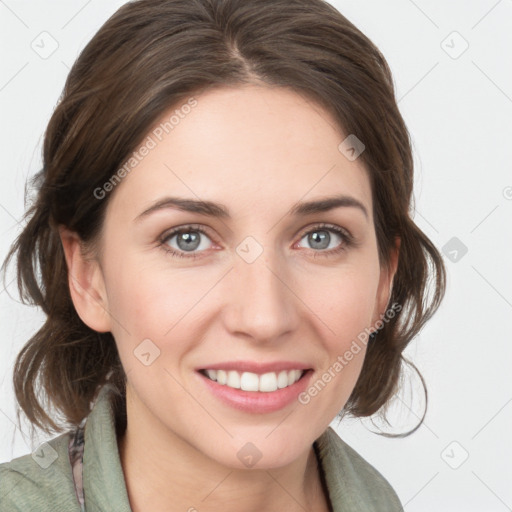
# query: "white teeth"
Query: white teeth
{"points": [[233, 379], [293, 375], [268, 382], [282, 379], [249, 381]]}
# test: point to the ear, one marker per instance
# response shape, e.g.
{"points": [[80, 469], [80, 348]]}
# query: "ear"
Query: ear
{"points": [[86, 283], [387, 273]]}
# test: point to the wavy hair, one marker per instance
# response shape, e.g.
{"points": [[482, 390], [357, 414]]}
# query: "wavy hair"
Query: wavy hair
{"points": [[148, 57]]}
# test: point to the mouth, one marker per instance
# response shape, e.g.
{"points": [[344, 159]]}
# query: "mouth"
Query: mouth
{"points": [[256, 388], [249, 381]]}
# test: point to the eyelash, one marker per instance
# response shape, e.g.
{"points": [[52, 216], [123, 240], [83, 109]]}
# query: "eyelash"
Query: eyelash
{"points": [[347, 240]]}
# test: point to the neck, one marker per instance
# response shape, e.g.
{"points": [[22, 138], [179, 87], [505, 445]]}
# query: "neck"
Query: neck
{"points": [[164, 472]]}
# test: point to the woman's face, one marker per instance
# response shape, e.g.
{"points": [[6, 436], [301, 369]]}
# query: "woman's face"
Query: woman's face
{"points": [[254, 284]]}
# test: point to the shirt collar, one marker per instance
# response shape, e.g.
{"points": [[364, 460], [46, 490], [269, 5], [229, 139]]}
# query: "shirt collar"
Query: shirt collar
{"points": [[103, 477]]}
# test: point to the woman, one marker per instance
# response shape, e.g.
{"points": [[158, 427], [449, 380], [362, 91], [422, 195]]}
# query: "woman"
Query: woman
{"points": [[226, 261]]}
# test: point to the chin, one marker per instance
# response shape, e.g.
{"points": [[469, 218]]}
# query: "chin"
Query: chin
{"points": [[261, 447]]}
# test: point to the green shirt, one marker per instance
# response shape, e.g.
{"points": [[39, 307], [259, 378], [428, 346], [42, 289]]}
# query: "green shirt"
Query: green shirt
{"points": [[43, 481]]}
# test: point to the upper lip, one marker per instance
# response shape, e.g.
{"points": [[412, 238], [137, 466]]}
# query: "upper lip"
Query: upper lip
{"points": [[255, 367]]}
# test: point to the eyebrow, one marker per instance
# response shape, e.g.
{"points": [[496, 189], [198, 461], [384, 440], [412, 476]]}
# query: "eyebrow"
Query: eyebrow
{"points": [[218, 210]]}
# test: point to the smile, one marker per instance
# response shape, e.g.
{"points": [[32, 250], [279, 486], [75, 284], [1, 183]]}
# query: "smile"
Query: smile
{"points": [[248, 381], [255, 386]]}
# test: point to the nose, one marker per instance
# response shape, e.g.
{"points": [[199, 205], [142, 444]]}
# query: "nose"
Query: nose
{"points": [[260, 302]]}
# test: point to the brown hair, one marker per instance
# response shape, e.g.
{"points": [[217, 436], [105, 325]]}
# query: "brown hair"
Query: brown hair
{"points": [[148, 57]]}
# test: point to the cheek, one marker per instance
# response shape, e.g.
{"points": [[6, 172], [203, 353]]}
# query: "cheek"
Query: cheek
{"points": [[150, 299], [148, 302], [346, 304], [345, 308]]}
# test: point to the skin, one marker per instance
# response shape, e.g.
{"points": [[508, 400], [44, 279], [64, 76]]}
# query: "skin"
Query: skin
{"points": [[257, 150]]}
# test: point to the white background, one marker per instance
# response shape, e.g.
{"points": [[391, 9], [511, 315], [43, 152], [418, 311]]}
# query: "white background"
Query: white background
{"points": [[459, 113]]}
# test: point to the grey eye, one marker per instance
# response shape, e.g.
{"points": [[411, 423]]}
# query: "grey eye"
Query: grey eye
{"points": [[188, 240], [321, 238]]}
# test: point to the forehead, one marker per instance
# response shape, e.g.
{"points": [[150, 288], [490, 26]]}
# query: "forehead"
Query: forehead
{"points": [[245, 146]]}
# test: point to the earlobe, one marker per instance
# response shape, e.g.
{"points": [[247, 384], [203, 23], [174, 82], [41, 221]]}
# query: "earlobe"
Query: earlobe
{"points": [[86, 283]]}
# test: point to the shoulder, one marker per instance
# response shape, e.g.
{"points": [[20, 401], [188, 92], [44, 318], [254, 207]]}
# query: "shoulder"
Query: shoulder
{"points": [[39, 481], [352, 480]]}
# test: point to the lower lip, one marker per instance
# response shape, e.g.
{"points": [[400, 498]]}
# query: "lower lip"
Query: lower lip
{"points": [[257, 401]]}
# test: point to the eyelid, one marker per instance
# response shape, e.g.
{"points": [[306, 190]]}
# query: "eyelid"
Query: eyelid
{"points": [[347, 238], [327, 226], [184, 228]]}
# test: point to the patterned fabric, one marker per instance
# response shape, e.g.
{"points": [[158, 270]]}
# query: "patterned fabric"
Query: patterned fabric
{"points": [[76, 457]]}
